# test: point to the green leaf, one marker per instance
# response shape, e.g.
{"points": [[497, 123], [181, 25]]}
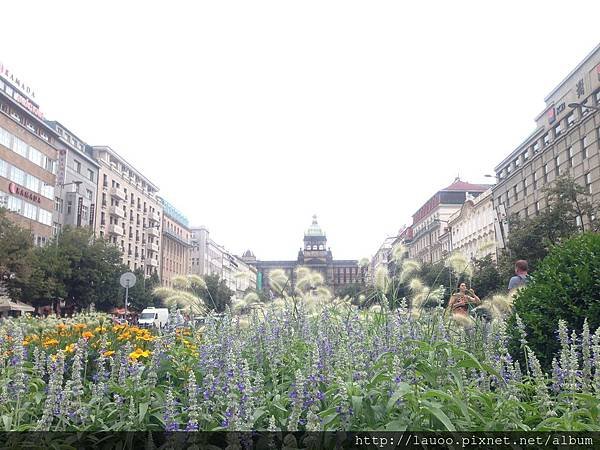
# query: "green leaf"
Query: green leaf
{"points": [[143, 409], [403, 389], [440, 415]]}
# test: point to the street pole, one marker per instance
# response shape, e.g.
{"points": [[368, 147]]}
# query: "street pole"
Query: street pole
{"points": [[126, 296]]}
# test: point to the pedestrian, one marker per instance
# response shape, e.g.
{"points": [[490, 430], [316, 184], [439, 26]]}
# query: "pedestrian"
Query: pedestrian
{"points": [[521, 277], [460, 301]]}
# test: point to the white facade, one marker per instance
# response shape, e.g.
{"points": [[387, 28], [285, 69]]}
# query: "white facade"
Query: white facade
{"points": [[472, 227]]}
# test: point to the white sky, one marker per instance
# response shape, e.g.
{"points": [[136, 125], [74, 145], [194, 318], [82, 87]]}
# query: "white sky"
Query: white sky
{"points": [[251, 116]]}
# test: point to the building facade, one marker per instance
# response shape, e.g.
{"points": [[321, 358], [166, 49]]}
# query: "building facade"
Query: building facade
{"points": [[128, 212], [210, 258], [316, 256], [28, 159], [382, 258], [176, 244], [471, 228], [429, 242], [76, 181], [566, 140]]}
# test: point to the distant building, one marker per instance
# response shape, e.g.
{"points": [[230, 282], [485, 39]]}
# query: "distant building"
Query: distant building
{"points": [[471, 228], [566, 140], [176, 244], [128, 213], [210, 258], [315, 255], [430, 222], [76, 181], [382, 258]]}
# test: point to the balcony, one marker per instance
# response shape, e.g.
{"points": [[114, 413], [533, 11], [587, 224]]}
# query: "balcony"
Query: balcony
{"points": [[116, 211], [118, 194], [153, 262], [153, 232], [153, 215], [152, 247], [115, 229]]}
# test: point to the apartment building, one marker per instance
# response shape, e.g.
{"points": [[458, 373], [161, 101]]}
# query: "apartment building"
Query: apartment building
{"points": [[176, 243], [430, 242], [471, 229], [566, 140], [76, 181], [129, 213], [28, 158]]}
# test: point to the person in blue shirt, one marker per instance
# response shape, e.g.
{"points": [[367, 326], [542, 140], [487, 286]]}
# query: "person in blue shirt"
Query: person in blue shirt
{"points": [[521, 277]]}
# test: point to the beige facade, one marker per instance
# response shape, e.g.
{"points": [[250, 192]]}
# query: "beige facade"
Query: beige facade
{"points": [[176, 244], [128, 212], [471, 228], [566, 141], [430, 240], [28, 163]]}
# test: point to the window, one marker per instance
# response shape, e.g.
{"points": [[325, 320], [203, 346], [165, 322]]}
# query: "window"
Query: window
{"points": [[516, 192], [36, 156], [58, 204], [570, 156], [557, 165], [537, 207], [47, 190], [546, 170], [557, 130], [5, 138], [91, 174], [20, 147], [546, 139], [45, 217], [32, 183], [585, 142], [77, 166], [4, 167], [18, 176], [69, 206], [517, 163], [105, 181], [536, 147], [570, 120], [525, 155], [525, 187], [588, 182]]}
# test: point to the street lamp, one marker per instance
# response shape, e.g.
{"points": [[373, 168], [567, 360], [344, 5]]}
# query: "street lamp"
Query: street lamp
{"points": [[581, 105]]}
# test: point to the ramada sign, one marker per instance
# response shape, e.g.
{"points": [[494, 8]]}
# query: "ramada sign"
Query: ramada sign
{"points": [[17, 190]]}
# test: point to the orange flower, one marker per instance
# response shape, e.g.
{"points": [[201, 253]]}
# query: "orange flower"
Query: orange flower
{"points": [[109, 353], [79, 326], [87, 335]]}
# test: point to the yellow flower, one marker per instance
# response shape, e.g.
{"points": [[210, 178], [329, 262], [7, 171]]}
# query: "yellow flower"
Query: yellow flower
{"points": [[87, 335], [139, 353], [70, 348], [25, 342], [54, 357], [50, 342], [109, 353]]}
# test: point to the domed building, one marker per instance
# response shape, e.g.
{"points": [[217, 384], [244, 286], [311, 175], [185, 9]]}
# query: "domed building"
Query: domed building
{"points": [[314, 255]]}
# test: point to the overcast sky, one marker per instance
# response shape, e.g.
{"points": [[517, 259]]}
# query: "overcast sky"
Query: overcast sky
{"points": [[251, 116]]}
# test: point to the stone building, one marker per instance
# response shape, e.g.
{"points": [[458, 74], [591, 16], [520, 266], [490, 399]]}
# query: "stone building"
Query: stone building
{"points": [[314, 255], [128, 212], [430, 241], [566, 140], [28, 159], [176, 244]]}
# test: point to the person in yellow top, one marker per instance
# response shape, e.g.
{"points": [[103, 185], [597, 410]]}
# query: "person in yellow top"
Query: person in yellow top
{"points": [[460, 301]]}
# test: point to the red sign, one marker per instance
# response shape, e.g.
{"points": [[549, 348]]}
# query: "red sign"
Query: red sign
{"points": [[17, 190], [551, 115]]}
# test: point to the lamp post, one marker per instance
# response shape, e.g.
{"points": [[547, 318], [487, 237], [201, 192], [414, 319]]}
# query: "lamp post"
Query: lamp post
{"points": [[581, 105]]}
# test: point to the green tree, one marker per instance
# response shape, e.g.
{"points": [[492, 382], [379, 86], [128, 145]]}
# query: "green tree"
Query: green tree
{"points": [[532, 238], [16, 245], [218, 295], [486, 277], [142, 294], [565, 286], [78, 268]]}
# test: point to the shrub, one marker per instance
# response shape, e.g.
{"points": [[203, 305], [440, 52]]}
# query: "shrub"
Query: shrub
{"points": [[565, 286]]}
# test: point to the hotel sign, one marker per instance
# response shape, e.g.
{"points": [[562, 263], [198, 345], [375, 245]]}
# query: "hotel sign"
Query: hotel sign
{"points": [[17, 190], [19, 91], [16, 81]]}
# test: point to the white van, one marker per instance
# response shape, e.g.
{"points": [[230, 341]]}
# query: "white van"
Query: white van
{"points": [[154, 317]]}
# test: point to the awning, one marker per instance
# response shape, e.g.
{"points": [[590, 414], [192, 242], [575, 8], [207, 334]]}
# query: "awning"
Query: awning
{"points": [[7, 304]]}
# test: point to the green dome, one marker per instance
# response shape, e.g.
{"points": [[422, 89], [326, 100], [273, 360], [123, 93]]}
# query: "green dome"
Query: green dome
{"points": [[314, 229]]}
